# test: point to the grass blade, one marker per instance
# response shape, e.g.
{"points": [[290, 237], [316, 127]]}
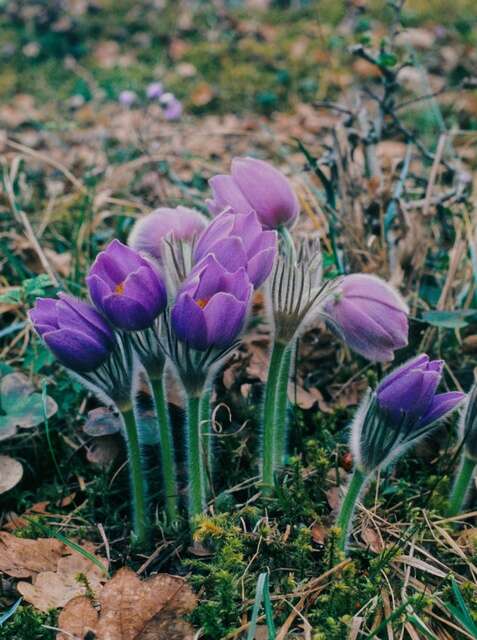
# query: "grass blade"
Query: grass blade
{"points": [[262, 596]]}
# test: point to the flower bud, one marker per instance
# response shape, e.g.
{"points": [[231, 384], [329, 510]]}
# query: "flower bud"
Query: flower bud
{"points": [[238, 240], [255, 185], [126, 287], [370, 316], [149, 231], [211, 308], [77, 335]]}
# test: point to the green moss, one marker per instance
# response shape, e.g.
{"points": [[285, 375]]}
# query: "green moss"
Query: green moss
{"points": [[28, 624]]}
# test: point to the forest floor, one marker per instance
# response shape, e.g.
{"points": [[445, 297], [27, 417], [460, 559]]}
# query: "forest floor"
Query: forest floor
{"points": [[296, 86]]}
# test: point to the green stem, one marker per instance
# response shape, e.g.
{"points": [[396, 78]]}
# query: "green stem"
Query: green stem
{"points": [[269, 415], [461, 485], [345, 516], [166, 444], [194, 459], [138, 482], [205, 425], [281, 412]]}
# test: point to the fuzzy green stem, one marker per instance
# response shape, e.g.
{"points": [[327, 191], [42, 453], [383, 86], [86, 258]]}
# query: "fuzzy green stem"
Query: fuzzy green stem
{"points": [[138, 482], [269, 415], [194, 458], [166, 444], [461, 485], [205, 425], [345, 516], [281, 413]]}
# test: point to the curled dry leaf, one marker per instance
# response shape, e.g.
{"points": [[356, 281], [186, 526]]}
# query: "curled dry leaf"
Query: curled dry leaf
{"points": [[74, 575], [23, 408], [22, 558], [133, 610], [102, 422], [104, 450], [11, 472]]}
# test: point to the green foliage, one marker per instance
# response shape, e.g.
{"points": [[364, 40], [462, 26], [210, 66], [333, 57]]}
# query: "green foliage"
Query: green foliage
{"points": [[27, 623]]}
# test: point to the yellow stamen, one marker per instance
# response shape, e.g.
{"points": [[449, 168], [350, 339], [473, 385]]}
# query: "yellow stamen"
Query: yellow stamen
{"points": [[202, 303], [119, 288]]}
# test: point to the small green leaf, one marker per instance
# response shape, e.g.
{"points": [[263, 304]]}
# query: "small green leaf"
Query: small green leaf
{"points": [[449, 319], [387, 59]]}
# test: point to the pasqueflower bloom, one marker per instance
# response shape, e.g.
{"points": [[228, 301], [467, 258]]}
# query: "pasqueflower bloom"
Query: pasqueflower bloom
{"points": [[78, 336], [149, 232], [212, 305], [238, 240], [171, 106], [126, 287], [127, 98], [409, 393], [370, 316], [154, 90], [255, 185]]}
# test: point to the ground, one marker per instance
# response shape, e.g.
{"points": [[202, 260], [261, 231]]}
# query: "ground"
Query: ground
{"points": [[296, 84]]}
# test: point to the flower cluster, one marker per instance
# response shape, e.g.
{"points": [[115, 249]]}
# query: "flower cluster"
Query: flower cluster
{"points": [[180, 295], [171, 106]]}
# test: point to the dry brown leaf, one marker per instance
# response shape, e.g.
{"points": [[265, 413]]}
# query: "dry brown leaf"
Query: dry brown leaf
{"points": [[372, 539], [11, 472], [132, 610], [23, 558], [53, 590], [79, 617], [104, 450], [319, 533]]}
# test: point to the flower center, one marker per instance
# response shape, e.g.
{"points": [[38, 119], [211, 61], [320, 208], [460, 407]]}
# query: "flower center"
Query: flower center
{"points": [[202, 302], [119, 288]]}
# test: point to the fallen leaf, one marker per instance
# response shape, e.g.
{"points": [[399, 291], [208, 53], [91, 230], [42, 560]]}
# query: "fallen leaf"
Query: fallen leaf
{"points": [[11, 472], [104, 450], [23, 558], [102, 422], [22, 407], [79, 617], [372, 539], [319, 534], [54, 589], [131, 609], [202, 95]]}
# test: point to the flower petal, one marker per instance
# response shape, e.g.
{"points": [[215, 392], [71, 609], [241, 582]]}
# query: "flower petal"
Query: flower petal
{"points": [[225, 316], [76, 350], [442, 404], [189, 322]]}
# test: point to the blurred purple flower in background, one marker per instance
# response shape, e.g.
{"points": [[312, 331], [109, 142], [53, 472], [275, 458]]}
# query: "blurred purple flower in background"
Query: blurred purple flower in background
{"points": [[255, 185], [126, 287], [212, 305], [171, 106], [182, 223], [78, 336], [238, 240], [370, 316], [154, 90], [127, 98], [409, 393]]}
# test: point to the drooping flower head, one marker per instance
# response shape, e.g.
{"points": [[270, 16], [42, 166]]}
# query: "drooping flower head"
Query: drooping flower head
{"points": [[404, 408], [126, 287], [212, 305], [370, 316], [77, 335], [238, 240], [150, 231], [255, 185]]}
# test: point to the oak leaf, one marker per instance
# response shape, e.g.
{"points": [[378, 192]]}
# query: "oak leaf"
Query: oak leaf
{"points": [[22, 558]]}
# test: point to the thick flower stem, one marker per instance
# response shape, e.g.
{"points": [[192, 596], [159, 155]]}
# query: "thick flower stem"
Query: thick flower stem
{"points": [[281, 413], [269, 415], [205, 426], [166, 444], [138, 482], [461, 485], [194, 458], [345, 516]]}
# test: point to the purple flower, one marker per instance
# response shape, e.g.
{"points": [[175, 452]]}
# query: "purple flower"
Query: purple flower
{"points": [[127, 98], [370, 316], [238, 240], [255, 185], [126, 287], [409, 393], [149, 232], [74, 331], [154, 90], [171, 106], [212, 305]]}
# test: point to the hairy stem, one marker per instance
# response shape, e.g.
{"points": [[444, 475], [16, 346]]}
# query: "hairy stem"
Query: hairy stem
{"points": [[269, 415], [138, 482], [166, 444], [348, 505], [194, 458], [461, 485], [206, 430], [281, 413]]}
